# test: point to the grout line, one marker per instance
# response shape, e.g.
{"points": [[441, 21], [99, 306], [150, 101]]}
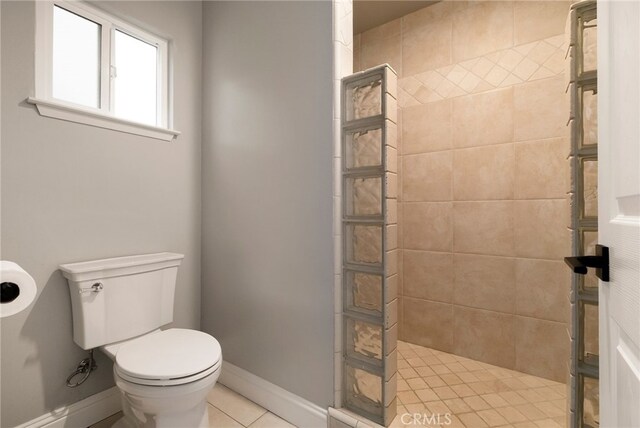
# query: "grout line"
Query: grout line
{"points": [[480, 254], [513, 141], [462, 201], [228, 415], [484, 310], [222, 410], [263, 413]]}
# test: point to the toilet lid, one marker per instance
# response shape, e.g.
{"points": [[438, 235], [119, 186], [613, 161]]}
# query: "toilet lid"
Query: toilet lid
{"points": [[169, 354]]}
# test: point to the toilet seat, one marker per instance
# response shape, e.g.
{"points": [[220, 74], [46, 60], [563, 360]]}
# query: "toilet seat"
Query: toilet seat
{"points": [[170, 357], [213, 370]]}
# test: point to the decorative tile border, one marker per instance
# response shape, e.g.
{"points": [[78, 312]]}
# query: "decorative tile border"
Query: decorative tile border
{"points": [[501, 69]]}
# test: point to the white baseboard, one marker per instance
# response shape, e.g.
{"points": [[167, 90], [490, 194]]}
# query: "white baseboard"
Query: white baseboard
{"points": [[294, 409], [81, 414]]}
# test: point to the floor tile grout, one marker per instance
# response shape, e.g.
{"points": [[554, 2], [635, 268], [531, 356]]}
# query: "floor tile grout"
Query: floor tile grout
{"points": [[474, 394]]}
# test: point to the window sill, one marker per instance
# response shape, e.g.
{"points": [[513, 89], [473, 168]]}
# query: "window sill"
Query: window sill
{"points": [[59, 110]]}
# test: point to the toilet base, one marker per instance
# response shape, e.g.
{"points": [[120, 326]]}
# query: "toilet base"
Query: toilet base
{"points": [[179, 406], [196, 418]]}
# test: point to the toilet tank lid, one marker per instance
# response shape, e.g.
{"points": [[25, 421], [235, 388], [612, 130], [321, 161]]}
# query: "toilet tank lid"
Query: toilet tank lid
{"points": [[117, 266]]}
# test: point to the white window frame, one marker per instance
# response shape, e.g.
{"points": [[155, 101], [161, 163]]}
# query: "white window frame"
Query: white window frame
{"points": [[103, 116]]}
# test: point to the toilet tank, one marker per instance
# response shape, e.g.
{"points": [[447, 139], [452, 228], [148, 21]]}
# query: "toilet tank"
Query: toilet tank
{"points": [[120, 298]]}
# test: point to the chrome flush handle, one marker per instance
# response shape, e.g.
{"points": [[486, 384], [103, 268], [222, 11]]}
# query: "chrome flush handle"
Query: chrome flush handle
{"points": [[95, 288]]}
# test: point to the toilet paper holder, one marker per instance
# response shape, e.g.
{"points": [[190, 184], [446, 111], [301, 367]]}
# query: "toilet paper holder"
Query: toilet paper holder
{"points": [[18, 289], [9, 291]]}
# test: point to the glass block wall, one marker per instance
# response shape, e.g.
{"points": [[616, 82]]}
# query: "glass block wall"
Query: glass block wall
{"points": [[369, 217], [584, 207]]}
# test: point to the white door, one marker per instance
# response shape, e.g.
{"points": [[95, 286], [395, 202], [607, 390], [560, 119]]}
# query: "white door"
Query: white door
{"points": [[619, 210]]}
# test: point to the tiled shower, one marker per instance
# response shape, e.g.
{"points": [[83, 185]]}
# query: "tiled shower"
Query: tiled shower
{"points": [[484, 181]]}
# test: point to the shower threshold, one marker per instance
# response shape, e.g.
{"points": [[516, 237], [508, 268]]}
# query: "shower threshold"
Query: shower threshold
{"points": [[437, 389]]}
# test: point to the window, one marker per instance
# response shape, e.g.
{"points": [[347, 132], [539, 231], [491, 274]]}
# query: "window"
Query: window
{"points": [[94, 68], [135, 83], [75, 59]]}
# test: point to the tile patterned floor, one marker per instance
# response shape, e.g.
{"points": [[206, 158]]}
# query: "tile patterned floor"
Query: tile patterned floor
{"points": [[231, 410], [474, 394], [430, 382], [228, 409]]}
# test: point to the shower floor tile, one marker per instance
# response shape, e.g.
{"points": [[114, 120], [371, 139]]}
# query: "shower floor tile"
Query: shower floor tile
{"points": [[471, 394]]}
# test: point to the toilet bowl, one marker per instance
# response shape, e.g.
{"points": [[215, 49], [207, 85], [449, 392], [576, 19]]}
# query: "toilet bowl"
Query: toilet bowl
{"points": [[119, 306], [164, 377]]}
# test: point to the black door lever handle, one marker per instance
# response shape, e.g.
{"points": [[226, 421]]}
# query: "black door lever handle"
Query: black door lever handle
{"points": [[600, 262]]}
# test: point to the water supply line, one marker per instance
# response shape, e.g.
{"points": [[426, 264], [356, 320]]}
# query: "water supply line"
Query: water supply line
{"points": [[84, 369]]}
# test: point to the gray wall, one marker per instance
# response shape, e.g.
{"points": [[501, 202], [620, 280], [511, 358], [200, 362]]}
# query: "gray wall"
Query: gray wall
{"points": [[267, 208], [73, 192]]}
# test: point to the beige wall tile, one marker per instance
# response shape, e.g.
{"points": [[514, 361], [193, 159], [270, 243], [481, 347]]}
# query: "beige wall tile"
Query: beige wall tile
{"points": [[484, 336], [542, 169], [541, 109], [483, 173], [392, 160], [458, 5], [397, 207], [428, 323], [391, 235], [391, 128], [381, 32], [484, 227], [391, 185], [356, 52], [426, 16], [535, 20], [400, 277], [381, 45], [428, 275], [484, 282], [483, 28], [486, 172], [391, 263], [426, 39], [427, 177], [426, 128], [380, 51], [392, 212], [542, 289], [401, 318], [541, 228], [427, 226], [483, 119], [400, 179], [542, 348]]}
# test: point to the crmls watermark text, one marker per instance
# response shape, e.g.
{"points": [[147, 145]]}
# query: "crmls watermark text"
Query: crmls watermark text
{"points": [[429, 419]]}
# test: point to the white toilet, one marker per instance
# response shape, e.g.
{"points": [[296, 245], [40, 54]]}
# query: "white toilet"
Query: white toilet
{"points": [[119, 305]]}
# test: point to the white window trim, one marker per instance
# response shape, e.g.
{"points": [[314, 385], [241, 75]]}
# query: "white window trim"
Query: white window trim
{"points": [[101, 117]]}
